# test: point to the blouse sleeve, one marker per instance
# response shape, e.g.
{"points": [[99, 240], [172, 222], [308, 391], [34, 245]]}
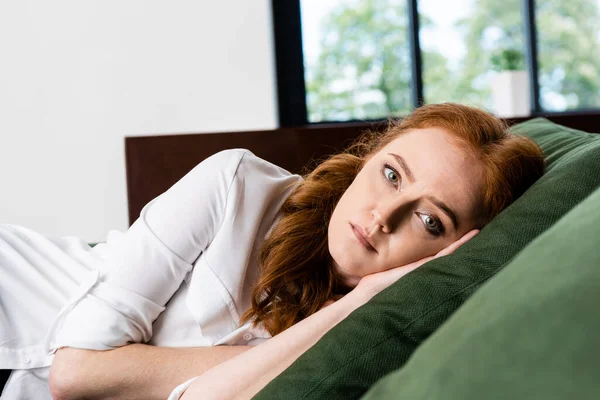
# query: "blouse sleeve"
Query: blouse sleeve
{"points": [[142, 268], [179, 390]]}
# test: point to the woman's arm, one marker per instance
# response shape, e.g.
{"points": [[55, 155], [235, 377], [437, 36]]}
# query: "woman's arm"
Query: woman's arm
{"points": [[135, 371], [245, 375], [138, 272], [141, 270]]}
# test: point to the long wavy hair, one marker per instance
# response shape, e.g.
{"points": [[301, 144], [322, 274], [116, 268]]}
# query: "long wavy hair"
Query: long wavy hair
{"points": [[296, 277]]}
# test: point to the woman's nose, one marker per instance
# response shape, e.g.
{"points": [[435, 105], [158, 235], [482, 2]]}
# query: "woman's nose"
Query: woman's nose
{"points": [[379, 222], [386, 214]]}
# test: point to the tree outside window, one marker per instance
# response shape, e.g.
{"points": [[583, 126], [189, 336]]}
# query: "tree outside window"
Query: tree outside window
{"points": [[358, 66]]}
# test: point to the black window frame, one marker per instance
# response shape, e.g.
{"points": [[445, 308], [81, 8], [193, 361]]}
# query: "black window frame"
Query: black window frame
{"points": [[289, 63]]}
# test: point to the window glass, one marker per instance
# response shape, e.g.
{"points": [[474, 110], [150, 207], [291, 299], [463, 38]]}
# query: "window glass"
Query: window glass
{"points": [[465, 45], [357, 63], [356, 59], [568, 34]]}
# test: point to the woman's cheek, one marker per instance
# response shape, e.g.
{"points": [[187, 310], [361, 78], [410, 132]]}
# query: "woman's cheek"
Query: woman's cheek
{"points": [[413, 245], [404, 250]]}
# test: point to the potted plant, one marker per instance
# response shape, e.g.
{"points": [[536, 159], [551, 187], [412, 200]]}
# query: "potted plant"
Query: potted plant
{"points": [[510, 84]]}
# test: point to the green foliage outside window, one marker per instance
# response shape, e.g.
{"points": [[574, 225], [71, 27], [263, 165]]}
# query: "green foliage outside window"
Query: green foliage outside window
{"points": [[507, 60], [364, 68]]}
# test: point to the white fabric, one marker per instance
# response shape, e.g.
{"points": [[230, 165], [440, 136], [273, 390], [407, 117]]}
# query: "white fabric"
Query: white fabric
{"points": [[179, 390], [179, 277]]}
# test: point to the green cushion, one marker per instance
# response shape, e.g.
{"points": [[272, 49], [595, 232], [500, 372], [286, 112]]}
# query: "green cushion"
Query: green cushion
{"points": [[380, 336], [529, 333]]}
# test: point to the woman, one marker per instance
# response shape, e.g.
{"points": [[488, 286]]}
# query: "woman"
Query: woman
{"points": [[239, 251]]}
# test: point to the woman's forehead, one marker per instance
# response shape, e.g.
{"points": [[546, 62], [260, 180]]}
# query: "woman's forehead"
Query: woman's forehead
{"points": [[438, 165]]}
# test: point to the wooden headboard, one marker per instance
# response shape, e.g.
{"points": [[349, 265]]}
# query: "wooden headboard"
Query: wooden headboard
{"points": [[154, 163]]}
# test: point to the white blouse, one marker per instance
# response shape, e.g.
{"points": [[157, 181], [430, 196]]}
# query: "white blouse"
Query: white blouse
{"points": [[181, 276]]}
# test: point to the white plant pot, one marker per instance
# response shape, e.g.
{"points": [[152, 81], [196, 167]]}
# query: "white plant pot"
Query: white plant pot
{"points": [[510, 94]]}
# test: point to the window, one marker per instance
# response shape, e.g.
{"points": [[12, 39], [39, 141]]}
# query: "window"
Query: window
{"points": [[347, 60], [356, 59], [569, 53], [459, 41]]}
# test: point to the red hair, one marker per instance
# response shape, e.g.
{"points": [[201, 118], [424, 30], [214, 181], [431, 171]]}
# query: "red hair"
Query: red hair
{"points": [[296, 278]]}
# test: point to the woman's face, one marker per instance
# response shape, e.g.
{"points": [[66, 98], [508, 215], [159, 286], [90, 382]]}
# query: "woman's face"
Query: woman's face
{"points": [[414, 197]]}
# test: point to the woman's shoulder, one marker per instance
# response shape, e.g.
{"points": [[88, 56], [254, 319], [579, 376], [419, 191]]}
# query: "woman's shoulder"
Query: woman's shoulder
{"points": [[247, 163], [226, 172]]}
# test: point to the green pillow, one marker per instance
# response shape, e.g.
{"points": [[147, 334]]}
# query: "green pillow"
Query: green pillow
{"points": [[380, 336], [529, 333]]}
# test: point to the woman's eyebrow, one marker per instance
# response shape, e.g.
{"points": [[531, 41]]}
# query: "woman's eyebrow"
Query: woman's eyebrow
{"points": [[404, 166], [447, 210], [437, 202]]}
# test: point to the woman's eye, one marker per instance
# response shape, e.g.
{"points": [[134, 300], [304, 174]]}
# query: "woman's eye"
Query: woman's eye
{"points": [[432, 224], [391, 174]]}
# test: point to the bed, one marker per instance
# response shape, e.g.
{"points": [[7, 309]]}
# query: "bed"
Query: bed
{"points": [[154, 163]]}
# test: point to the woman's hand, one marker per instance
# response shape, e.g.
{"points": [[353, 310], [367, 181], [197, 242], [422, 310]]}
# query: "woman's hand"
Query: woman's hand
{"points": [[372, 284]]}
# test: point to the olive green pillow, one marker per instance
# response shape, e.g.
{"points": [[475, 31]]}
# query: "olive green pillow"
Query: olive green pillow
{"points": [[532, 332], [380, 336]]}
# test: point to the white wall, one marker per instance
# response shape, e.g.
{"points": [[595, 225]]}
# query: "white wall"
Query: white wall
{"points": [[77, 76]]}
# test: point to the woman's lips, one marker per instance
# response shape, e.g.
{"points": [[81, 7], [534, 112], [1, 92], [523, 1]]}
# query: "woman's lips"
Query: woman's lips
{"points": [[362, 238]]}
